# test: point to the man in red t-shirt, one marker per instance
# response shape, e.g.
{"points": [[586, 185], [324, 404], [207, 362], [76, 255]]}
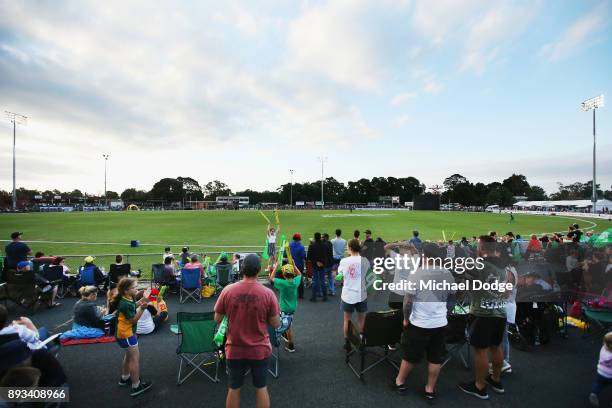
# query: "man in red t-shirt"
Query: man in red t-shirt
{"points": [[250, 307]]}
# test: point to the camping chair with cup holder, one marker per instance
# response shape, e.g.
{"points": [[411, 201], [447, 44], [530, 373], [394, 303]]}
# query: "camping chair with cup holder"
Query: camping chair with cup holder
{"points": [[190, 285], [55, 275], [87, 277], [224, 276], [381, 329], [21, 289], [197, 349], [116, 272]]}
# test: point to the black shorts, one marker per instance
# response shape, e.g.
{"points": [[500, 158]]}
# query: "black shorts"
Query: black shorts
{"points": [[486, 332], [237, 369], [417, 341]]}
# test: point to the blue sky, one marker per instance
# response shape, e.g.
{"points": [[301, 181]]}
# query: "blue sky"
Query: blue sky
{"points": [[244, 91]]}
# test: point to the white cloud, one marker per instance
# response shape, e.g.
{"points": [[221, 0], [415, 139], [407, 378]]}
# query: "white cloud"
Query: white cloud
{"points": [[338, 41], [402, 120], [433, 87], [578, 35], [402, 98], [492, 32], [434, 20]]}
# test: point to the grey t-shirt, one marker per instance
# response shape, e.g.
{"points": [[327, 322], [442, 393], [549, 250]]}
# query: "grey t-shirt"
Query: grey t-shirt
{"points": [[489, 303]]}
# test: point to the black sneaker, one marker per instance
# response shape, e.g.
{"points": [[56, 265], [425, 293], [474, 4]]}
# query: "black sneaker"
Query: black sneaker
{"points": [[290, 348], [142, 387], [400, 389], [123, 383], [496, 385], [347, 346], [470, 388], [429, 396]]}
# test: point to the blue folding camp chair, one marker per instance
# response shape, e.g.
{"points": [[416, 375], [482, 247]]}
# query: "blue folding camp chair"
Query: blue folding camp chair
{"points": [[191, 285]]}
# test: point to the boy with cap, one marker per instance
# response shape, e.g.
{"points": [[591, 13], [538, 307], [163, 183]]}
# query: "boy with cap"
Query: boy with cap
{"points": [[287, 288]]}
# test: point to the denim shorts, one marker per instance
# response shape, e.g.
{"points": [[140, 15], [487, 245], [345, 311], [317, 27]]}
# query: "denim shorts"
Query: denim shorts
{"points": [[237, 369], [360, 307]]}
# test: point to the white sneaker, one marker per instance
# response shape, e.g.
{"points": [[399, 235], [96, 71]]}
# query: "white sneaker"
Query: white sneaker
{"points": [[506, 368]]}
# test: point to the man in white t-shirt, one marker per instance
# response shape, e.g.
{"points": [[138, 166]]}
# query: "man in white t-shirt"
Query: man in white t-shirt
{"points": [[353, 270], [425, 321]]}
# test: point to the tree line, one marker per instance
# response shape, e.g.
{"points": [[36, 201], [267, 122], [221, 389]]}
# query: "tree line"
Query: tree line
{"points": [[457, 189]]}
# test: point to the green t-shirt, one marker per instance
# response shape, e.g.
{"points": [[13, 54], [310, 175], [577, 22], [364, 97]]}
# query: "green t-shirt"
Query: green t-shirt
{"points": [[126, 310], [288, 293]]}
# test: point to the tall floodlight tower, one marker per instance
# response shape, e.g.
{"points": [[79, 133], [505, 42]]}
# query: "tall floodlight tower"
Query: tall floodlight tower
{"points": [[15, 119], [593, 104]]}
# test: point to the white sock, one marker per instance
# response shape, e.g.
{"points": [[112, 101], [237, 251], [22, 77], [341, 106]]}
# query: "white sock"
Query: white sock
{"points": [[125, 377], [135, 385]]}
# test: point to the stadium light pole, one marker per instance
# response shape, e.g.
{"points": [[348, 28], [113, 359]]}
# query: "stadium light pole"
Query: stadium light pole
{"points": [[15, 118], [105, 156], [593, 104], [322, 159], [291, 188]]}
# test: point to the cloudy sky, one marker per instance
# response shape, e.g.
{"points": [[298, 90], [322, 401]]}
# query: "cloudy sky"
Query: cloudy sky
{"points": [[245, 91]]}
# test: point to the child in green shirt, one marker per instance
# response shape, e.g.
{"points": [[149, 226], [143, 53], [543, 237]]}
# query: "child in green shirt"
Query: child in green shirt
{"points": [[287, 288]]}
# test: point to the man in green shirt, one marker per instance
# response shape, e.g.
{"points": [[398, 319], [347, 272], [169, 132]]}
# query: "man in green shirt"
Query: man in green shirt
{"points": [[288, 288]]}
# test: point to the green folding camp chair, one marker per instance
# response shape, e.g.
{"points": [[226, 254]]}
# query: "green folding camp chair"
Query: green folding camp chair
{"points": [[196, 346]]}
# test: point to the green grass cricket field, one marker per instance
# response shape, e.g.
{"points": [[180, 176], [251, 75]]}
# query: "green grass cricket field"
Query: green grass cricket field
{"points": [[109, 233]]}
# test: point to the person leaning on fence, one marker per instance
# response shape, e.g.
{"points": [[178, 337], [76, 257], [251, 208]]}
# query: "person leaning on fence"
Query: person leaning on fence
{"points": [[250, 307]]}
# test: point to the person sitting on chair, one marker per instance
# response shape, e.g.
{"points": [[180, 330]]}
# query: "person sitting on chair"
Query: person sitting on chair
{"points": [[43, 285], [86, 312], [170, 277], [195, 264], [98, 276]]}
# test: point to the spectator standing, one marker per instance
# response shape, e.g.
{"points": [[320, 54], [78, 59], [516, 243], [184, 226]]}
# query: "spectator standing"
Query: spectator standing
{"points": [[318, 256], [16, 251], [338, 249], [353, 270], [330, 283], [488, 309], [250, 307], [425, 322], [298, 253], [416, 241]]}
